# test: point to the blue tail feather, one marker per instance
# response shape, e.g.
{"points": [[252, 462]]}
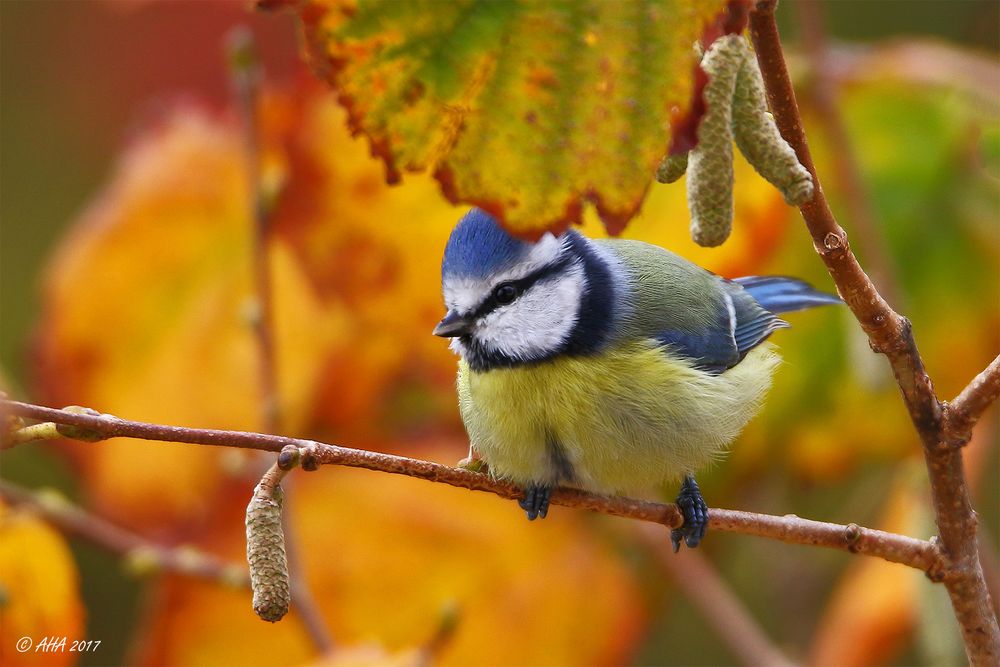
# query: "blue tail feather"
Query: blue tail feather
{"points": [[781, 294]]}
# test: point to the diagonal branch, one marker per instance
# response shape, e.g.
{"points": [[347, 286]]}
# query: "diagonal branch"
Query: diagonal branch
{"points": [[705, 588], [891, 334], [888, 331], [919, 554], [142, 555], [962, 413]]}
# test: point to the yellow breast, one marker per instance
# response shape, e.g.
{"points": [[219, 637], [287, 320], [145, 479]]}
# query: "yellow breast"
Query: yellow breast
{"points": [[632, 417]]}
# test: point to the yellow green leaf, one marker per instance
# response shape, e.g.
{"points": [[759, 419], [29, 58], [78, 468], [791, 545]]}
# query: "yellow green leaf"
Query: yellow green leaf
{"points": [[526, 109], [40, 591]]}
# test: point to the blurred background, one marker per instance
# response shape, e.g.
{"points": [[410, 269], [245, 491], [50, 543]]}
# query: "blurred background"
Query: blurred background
{"points": [[125, 286]]}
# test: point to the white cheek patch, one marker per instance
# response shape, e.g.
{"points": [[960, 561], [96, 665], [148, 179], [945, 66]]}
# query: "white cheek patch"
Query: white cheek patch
{"points": [[539, 321], [465, 294]]}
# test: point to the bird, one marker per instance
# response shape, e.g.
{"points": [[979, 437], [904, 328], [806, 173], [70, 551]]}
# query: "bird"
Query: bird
{"points": [[608, 365]]}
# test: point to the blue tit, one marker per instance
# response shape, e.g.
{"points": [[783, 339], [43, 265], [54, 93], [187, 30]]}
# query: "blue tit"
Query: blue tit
{"points": [[607, 365]]}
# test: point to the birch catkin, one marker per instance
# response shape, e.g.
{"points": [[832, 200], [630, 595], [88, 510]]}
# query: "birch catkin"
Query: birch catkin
{"points": [[672, 167], [266, 552], [710, 163], [736, 109], [758, 137]]}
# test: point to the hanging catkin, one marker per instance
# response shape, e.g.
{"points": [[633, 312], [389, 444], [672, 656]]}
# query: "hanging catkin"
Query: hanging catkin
{"points": [[758, 137], [735, 110], [672, 167], [266, 552], [710, 163]]}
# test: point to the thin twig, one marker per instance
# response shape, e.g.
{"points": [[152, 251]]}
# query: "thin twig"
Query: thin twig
{"points": [[920, 554], [963, 412], [42, 431], [303, 602], [703, 586], [891, 334], [915, 553], [141, 554], [246, 76], [245, 73], [888, 331]]}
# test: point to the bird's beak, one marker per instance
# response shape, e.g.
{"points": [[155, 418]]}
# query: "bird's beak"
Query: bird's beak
{"points": [[453, 325]]}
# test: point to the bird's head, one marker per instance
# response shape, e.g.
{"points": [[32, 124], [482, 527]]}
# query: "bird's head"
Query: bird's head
{"points": [[510, 302]]}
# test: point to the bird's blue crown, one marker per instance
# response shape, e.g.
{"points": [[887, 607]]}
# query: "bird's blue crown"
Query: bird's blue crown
{"points": [[479, 247]]}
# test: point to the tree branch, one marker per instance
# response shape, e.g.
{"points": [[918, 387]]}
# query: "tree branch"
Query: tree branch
{"points": [[142, 556], [891, 334], [704, 587], [245, 74], [888, 331], [919, 554], [303, 601], [962, 413]]}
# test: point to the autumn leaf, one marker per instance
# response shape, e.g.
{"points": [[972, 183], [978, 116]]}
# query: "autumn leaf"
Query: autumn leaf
{"points": [[40, 590], [525, 109], [371, 655], [384, 555]]}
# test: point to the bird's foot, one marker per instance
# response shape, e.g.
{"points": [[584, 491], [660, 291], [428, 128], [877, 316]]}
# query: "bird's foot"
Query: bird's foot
{"points": [[473, 463], [695, 512], [536, 501]]}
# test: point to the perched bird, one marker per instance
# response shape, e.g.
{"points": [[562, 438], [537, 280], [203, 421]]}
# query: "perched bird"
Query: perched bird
{"points": [[606, 365]]}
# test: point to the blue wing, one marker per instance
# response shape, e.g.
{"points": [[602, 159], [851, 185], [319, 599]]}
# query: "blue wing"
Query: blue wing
{"points": [[740, 325], [781, 294], [712, 321], [746, 316]]}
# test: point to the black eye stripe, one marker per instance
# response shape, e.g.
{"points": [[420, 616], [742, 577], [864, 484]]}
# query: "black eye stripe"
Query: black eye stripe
{"points": [[522, 285]]}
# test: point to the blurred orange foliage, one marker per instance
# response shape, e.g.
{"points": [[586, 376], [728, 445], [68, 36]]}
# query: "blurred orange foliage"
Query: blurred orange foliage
{"points": [[40, 589], [875, 602], [383, 557]]}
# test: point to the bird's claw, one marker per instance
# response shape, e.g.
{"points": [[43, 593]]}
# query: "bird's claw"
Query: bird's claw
{"points": [[695, 512], [536, 501]]}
